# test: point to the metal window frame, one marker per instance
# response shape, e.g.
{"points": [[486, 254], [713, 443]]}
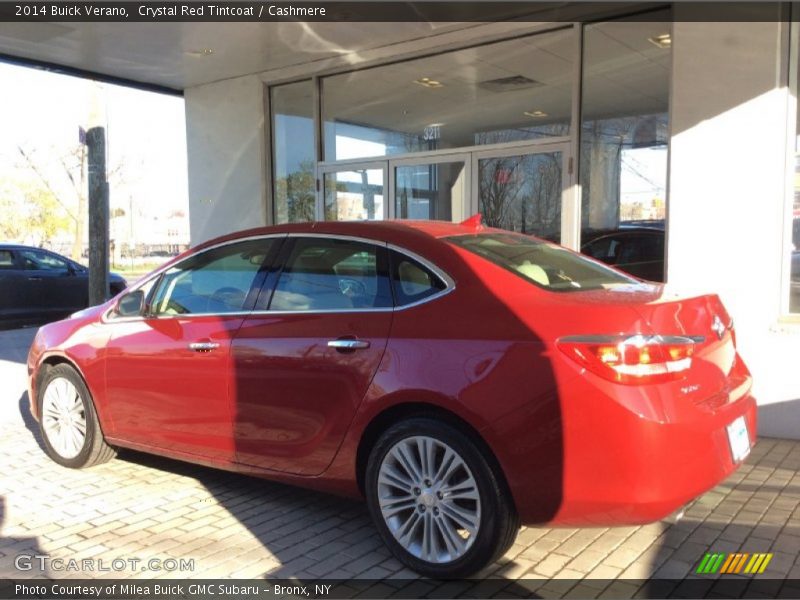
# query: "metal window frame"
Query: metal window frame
{"points": [[433, 159]]}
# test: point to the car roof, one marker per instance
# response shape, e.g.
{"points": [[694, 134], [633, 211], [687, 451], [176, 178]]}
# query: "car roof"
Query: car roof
{"points": [[10, 246], [396, 231]]}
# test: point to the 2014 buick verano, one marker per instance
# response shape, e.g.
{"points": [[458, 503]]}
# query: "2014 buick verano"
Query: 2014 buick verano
{"points": [[464, 380]]}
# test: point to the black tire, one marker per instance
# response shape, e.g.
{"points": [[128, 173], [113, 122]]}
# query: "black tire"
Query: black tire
{"points": [[94, 449], [498, 522]]}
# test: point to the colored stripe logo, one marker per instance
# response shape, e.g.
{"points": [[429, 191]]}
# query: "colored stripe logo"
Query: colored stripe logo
{"points": [[734, 563]]}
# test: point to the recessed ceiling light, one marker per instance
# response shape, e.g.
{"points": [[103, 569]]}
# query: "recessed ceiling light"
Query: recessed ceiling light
{"points": [[662, 41], [436, 125], [199, 52], [428, 82], [536, 114]]}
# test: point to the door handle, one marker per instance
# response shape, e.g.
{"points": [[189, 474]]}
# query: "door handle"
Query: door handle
{"points": [[203, 346], [348, 344]]}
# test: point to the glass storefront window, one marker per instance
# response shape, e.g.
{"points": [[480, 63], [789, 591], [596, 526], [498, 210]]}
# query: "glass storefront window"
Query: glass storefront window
{"points": [[293, 152], [430, 191], [502, 92], [794, 266], [522, 192], [355, 194], [625, 127]]}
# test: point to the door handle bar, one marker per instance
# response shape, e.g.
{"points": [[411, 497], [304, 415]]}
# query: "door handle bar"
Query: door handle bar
{"points": [[348, 344], [203, 346]]}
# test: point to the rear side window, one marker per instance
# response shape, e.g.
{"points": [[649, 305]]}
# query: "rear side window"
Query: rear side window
{"points": [[412, 281], [7, 260], [333, 274], [546, 265]]}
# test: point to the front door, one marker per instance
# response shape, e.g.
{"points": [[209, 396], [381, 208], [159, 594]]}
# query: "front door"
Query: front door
{"points": [[523, 190], [56, 287], [305, 362], [168, 372]]}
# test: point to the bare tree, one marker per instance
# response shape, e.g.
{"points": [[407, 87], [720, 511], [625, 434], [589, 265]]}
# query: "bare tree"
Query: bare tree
{"points": [[63, 175]]}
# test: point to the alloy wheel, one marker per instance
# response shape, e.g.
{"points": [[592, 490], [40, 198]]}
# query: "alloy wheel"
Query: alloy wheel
{"points": [[429, 499], [64, 418]]}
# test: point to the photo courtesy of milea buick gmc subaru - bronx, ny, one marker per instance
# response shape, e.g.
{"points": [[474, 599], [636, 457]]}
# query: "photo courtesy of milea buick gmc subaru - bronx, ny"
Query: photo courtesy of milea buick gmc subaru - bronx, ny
{"points": [[464, 380]]}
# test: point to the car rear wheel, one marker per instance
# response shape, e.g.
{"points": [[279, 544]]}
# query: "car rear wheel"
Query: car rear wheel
{"points": [[68, 421], [436, 501]]}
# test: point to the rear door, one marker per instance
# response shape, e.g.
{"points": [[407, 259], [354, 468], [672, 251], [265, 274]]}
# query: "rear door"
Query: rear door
{"points": [[304, 360]]}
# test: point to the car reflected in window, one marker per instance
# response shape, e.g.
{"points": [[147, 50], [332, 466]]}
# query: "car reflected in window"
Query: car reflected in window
{"points": [[637, 251]]}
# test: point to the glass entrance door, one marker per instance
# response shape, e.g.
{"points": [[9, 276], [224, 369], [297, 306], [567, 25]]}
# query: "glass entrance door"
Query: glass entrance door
{"points": [[432, 188], [522, 190], [355, 192]]}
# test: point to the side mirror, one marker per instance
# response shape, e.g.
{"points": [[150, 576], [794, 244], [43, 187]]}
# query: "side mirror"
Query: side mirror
{"points": [[130, 305]]}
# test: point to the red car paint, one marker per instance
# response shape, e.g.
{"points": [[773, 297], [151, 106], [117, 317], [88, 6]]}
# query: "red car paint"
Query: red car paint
{"points": [[574, 447]]}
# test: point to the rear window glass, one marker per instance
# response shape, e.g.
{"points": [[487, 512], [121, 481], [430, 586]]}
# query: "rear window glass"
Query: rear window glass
{"points": [[545, 265], [412, 281]]}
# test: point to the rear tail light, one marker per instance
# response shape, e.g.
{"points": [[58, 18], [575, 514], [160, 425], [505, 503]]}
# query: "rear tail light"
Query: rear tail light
{"points": [[631, 359]]}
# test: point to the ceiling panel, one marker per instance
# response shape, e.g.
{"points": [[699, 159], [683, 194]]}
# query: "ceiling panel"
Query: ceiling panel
{"points": [[166, 54]]}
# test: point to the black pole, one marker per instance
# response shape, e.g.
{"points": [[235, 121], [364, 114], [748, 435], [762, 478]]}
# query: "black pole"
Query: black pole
{"points": [[98, 216]]}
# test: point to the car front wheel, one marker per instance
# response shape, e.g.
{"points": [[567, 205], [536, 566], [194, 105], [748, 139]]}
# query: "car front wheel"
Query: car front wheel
{"points": [[437, 502], [68, 421]]}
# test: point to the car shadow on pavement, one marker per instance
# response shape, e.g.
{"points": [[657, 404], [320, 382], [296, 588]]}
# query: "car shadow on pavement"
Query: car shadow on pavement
{"points": [[754, 511], [27, 418], [18, 559], [303, 528]]}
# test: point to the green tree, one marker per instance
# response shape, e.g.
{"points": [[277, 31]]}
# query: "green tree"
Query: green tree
{"points": [[46, 218], [295, 194]]}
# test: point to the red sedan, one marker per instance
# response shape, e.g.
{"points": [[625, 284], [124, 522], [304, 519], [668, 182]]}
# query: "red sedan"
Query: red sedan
{"points": [[464, 380]]}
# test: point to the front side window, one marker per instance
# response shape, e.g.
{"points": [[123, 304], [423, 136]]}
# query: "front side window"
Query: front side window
{"points": [[545, 265], [212, 282], [333, 274]]}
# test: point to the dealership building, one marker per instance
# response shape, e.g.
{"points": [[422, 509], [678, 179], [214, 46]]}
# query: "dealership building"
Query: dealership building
{"points": [[646, 116]]}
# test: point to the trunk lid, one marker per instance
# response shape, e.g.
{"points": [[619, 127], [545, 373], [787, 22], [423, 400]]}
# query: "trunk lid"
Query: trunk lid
{"points": [[713, 379]]}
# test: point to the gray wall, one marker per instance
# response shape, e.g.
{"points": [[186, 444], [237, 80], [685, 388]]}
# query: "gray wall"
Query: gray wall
{"points": [[226, 152]]}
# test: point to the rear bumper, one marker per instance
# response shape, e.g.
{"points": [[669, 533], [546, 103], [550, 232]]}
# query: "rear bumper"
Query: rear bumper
{"points": [[631, 458], [652, 472]]}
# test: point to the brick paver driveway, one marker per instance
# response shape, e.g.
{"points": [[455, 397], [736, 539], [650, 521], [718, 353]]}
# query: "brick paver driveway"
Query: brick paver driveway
{"points": [[139, 507]]}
